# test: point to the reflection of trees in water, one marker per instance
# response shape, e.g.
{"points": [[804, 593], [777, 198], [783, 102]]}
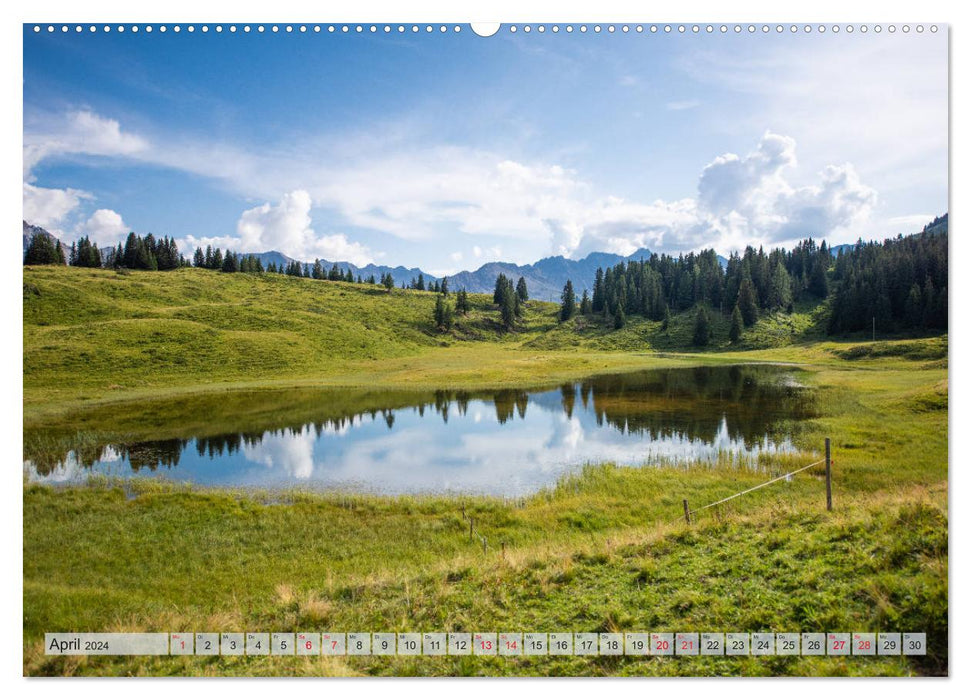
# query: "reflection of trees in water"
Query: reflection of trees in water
{"points": [[694, 404], [674, 403], [569, 394], [509, 402], [150, 455]]}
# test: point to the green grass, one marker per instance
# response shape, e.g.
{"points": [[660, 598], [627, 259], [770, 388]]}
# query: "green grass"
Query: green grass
{"points": [[603, 550], [173, 559], [99, 336]]}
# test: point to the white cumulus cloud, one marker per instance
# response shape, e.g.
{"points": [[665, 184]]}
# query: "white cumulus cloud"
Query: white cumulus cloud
{"points": [[286, 227], [741, 200], [48, 208], [106, 227], [78, 132]]}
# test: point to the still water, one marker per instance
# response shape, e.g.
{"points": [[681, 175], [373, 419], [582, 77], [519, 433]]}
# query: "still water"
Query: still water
{"points": [[506, 442]]}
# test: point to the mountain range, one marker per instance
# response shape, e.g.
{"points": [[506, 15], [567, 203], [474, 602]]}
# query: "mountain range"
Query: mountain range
{"points": [[545, 278]]}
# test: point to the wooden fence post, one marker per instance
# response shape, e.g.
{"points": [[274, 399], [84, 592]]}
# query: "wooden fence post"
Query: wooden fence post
{"points": [[687, 513], [829, 479]]}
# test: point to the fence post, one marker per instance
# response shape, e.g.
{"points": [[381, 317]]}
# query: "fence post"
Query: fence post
{"points": [[471, 520], [687, 513], [829, 479]]}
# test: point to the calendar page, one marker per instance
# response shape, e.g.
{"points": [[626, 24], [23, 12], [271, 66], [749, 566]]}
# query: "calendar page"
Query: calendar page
{"points": [[433, 348]]}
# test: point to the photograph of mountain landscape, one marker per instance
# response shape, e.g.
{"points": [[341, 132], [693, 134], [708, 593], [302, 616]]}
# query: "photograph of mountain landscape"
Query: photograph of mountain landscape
{"points": [[451, 350]]}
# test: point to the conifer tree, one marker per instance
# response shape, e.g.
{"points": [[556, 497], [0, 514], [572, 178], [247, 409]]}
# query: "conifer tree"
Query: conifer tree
{"points": [[42, 250], [507, 307], [586, 306], [521, 291], [735, 331], [230, 262], [568, 302], [462, 302], [703, 332], [746, 302]]}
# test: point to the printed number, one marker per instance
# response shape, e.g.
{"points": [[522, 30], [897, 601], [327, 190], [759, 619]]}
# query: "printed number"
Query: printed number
{"points": [[460, 644], [535, 644], [913, 644], [586, 644], [561, 645], [662, 644], [788, 645], [889, 644], [838, 644], [411, 645], [232, 644], [637, 644], [687, 644], [738, 645], [283, 644], [762, 645], [435, 644], [511, 645], [813, 645], [208, 645], [485, 644], [308, 645], [384, 645], [712, 644], [333, 644], [613, 645], [359, 644], [259, 645], [865, 644]]}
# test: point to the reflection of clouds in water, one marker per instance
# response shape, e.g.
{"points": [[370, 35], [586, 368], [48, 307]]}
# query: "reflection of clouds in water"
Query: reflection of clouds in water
{"points": [[515, 458], [68, 469], [110, 454], [403, 452], [567, 432], [292, 453]]}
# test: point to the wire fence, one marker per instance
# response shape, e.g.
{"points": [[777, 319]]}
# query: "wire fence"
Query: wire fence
{"points": [[688, 512], [474, 533]]}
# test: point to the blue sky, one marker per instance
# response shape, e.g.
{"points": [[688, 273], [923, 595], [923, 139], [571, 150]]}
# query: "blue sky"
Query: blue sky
{"points": [[447, 150]]}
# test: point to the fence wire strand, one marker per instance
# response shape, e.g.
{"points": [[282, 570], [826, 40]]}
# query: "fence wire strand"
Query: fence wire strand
{"points": [[754, 488]]}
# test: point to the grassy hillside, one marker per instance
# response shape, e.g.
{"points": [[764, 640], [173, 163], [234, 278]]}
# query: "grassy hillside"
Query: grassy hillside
{"points": [[601, 551], [94, 335]]}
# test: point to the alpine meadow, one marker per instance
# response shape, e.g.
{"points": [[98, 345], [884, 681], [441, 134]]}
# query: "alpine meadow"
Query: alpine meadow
{"points": [[363, 354]]}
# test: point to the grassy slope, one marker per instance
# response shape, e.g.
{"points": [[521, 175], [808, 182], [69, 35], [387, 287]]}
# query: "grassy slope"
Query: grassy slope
{"points": [[96, 335], [589, 555]]}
